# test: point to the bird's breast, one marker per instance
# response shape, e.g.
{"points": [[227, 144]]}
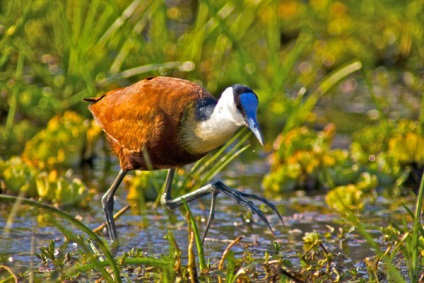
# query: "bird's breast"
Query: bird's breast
{"points": [[203, 129]]}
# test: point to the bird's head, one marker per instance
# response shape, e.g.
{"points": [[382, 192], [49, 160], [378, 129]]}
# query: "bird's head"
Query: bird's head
{"points": [[246, 102], [214, 122]]}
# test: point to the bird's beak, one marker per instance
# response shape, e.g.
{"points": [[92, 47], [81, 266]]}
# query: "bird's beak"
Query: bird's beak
{"points": [[253, 125], [249, 102]]}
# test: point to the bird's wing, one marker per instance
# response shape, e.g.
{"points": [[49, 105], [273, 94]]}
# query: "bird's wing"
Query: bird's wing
{"points": [[145, 112]]}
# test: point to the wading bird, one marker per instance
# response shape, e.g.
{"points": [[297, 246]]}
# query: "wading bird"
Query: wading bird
{"points": [[164, 123]]}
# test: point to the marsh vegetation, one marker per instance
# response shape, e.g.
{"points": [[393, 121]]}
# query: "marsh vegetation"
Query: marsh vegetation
{"points": [[340, 85]]}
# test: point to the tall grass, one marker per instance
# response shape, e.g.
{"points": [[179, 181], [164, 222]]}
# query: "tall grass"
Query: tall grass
{"points": [[69, 50], [411, 244], [57, 52]]}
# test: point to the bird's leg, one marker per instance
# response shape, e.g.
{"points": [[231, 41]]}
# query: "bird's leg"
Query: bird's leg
{"points": [[166, 196], [107, 202], [215, 188], [211, 215]]}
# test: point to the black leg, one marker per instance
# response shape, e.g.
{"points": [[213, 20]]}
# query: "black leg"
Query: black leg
{"points": [[107, 202], [215, 188]]}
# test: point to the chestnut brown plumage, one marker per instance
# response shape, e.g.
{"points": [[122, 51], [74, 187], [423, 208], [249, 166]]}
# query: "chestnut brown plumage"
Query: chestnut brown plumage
{"points": [[164, 123]]}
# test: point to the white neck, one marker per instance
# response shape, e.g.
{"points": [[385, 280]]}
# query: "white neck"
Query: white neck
{"points": [[202, 136]]}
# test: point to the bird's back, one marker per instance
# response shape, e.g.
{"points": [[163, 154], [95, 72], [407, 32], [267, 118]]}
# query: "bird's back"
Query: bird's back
{"points": [[142, 121]]}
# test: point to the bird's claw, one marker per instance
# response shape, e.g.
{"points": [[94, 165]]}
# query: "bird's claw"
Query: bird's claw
{"points": [[242, 199]]}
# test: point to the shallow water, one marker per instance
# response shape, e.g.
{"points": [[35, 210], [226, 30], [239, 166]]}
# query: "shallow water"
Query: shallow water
{"points": [[302, 213], [148, 231]]}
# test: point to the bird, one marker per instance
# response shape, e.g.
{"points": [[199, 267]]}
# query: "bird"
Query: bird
{"points": [[165, 123]]}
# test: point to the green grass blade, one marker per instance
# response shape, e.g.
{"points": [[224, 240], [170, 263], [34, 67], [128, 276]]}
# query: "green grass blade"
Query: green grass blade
{"points": [[302, 112], [220, 156], [225, 159], [77, 224], [221, 165], [393, 274], [416, 231], [10, 120], [368, 81], [197, 237], [119, 22]]}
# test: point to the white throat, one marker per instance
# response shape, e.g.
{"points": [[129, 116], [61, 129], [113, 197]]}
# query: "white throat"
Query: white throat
{"points": [[202, 136]]}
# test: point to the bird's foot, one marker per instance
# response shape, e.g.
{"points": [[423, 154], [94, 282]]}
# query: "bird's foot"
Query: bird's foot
{"points": [[215, 188], [243, 199]]}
